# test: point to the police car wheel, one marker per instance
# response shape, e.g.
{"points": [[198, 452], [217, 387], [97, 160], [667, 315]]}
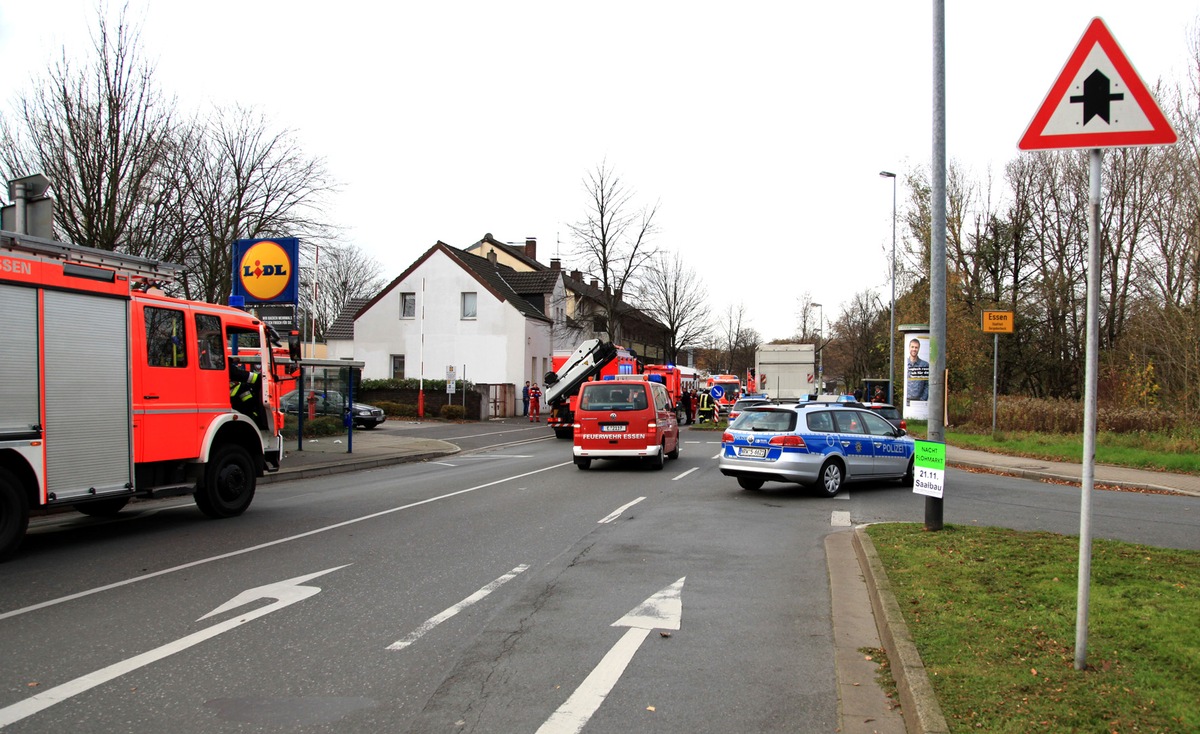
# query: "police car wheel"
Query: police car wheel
{"points": [[831, 479], [14, 513], [227, 486], [750, 483], [907, 479]]}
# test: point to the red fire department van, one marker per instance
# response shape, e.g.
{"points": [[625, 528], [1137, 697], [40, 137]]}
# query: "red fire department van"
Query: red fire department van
{"points": [[112, 392], [625, 418]]}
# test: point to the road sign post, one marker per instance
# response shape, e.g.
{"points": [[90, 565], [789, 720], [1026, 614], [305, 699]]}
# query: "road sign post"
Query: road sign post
{"points": [[996, 323], [1098, 101]]}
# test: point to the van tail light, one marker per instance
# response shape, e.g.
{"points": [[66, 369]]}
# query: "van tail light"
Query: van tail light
{"points": [[792, 442], [651, 428], [726, 437]]}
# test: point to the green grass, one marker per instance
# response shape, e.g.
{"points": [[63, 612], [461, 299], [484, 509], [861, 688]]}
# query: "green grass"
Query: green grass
{"points": [[1174, 452], [992, 612]]}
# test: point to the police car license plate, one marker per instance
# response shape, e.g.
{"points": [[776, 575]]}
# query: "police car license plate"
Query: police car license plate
{"points": [[752, 452], [612, 427]]}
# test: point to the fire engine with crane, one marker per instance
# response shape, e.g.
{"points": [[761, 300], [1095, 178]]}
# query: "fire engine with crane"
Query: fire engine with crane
{"points": [[112, 390], [594, 358]]}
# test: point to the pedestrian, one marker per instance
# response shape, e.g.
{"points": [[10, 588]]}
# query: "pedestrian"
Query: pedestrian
{"points": [[535, 403], [685, 402], [525, 399], [878, 396], [245, 392]]}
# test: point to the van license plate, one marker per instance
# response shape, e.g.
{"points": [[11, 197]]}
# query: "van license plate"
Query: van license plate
{"points": [[752, 453], [612, 427]]}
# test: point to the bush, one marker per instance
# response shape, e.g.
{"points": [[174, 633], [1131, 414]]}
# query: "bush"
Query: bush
{"points": [[453, 412], [390, 408], [1049, 415], [322, 425]]}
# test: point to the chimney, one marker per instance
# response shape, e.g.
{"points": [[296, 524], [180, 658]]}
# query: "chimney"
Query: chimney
{"points": [[492, 257], [576, 276], [555, 263], [531, 248], [596, 283]]}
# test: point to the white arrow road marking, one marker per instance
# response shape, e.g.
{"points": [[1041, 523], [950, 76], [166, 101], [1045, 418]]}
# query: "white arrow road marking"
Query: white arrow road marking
{"points": [[681, 476], [437, 619], [285, 593], [617, 512], [662, 611]]}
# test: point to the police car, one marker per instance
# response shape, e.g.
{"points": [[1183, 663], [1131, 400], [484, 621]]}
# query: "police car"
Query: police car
{"points": [[820, 445]]}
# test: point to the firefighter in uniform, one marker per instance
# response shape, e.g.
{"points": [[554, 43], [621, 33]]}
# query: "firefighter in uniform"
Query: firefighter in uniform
{"points": [[706, 407], [245, 390]]}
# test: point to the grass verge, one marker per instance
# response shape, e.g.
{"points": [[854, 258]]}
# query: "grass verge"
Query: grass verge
{"points": [[992, 612]]}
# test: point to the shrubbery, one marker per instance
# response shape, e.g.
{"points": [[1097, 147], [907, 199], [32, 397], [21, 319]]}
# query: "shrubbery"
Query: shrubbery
{"points": [[1044, 415], [453, 412], [322, 425]]}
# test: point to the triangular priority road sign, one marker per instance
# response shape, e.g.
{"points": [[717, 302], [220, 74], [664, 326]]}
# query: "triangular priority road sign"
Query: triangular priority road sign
{"points": [[1098, 102]]}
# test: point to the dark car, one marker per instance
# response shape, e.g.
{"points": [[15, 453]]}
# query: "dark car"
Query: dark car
{"points": [[748, 401], [333, 403], [889, 412]]}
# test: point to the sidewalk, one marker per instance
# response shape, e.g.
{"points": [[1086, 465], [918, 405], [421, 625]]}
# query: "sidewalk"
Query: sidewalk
{"points": [[864, 611]]}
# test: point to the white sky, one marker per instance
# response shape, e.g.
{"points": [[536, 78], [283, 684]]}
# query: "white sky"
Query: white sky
{"points": [[759, 127]]}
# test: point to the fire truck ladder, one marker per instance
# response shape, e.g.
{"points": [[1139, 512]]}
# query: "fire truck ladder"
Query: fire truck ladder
{"points": [[139, 268]]}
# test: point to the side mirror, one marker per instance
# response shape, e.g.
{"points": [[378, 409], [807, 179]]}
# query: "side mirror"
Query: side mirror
{"points": [[294, 346]]}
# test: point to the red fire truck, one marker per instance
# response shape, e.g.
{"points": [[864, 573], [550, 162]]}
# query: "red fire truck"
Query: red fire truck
{"points": [[677, 379], [731, 390], [111, 391], [594, 359]]}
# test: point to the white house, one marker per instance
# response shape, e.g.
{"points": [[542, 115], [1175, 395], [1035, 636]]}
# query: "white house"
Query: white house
{"points": [[450, 308]]}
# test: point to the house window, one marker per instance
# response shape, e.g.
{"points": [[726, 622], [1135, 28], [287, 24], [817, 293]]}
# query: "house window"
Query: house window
{"points": [[408, 305], [397, 366], [468, 305]]}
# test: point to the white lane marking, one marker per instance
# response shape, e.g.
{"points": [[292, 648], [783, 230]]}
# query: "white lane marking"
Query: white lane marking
{"points": [[471, 457], [664, 611], [443, 463], [285, 593], [437, 619], [681, 476], [495, 433], [617, 512], [840, 519], [717, 455], [269, 544]]}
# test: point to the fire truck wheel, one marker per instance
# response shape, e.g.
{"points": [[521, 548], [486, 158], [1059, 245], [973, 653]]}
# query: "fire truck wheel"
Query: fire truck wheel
{"points": [[102, 508], [228, 483], [674, 454], [583, 463], [659, 460], [14, 513]]}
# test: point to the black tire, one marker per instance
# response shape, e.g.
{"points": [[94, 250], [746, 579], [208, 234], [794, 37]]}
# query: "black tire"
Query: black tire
{"points": [[831, 478], [228, 484], [750, 483], [907, 479], [368, 426], [563, 432], [102, 508], [583, 464], [14, 513], [659, 460], [675, 454]]}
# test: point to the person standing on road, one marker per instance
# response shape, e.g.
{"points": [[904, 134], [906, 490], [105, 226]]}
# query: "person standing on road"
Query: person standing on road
{"points": [[535, 403], [525, 399]]}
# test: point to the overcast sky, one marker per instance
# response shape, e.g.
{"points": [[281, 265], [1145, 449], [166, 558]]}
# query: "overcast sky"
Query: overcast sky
{"points": [[759, 128]]}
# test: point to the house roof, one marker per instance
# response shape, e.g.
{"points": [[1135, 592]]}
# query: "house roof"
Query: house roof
{"points": [[343, 326], [482, 269], [516, 252]]}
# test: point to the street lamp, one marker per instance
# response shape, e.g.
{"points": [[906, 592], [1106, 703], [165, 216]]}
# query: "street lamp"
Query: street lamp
{"points": [[892, 343], [821, 353]]}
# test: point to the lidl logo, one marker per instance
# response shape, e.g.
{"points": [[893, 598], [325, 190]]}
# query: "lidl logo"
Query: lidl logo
{"points": [[265, 270]]}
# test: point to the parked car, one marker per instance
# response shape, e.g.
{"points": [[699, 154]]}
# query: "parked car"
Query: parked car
{"points": [[625, 419], [748, 401], [889, 412], [333, 403], [820, 445]]}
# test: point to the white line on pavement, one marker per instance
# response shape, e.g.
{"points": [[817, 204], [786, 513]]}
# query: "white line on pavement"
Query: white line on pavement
{"points": [[681, 476], [437, 619], [617, 512]]}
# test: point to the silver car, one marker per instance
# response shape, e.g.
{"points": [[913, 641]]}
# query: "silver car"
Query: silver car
{"points": [[820, 445]]}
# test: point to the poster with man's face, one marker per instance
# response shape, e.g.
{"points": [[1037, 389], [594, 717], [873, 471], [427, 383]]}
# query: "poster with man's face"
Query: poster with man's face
{"points": [[916, 376]]}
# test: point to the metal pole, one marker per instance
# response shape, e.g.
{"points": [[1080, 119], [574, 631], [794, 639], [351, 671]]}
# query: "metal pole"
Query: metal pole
{"points": [[1095, 160], [937, 256], [995, 374]]}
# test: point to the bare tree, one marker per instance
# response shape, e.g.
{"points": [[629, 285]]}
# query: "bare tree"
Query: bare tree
{"points": [[673, 293], [613, 241], [342, 272], [98, 132]]}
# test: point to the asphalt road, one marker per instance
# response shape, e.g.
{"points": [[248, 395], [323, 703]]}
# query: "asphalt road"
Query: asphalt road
{"points": [[473, 594]]}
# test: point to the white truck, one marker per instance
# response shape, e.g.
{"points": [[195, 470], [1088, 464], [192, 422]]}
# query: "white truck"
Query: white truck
{"points": [[786, 371]]}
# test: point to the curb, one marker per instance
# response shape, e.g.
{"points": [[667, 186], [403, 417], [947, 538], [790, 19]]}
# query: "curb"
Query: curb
{"points": [[342, 467], [920, 707], [1043, 474]]}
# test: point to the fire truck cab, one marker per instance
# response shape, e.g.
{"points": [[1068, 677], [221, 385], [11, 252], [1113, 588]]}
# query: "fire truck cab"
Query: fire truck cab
{"points": [[111, 391]]}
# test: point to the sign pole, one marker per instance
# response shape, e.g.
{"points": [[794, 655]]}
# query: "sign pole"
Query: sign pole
{"points": [[1095, 161], [995, 378]]}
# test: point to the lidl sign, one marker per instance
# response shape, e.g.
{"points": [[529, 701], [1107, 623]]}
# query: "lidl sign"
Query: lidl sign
{"points": [[264, 271]]}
